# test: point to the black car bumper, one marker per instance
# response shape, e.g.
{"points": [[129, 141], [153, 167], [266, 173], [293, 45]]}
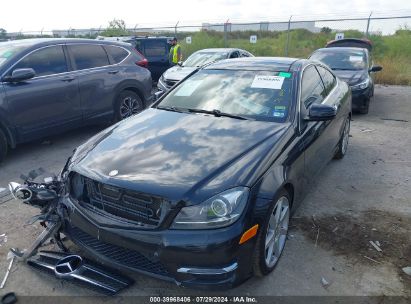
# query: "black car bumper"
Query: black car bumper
{"points": [[208, 260], [360, 98]]}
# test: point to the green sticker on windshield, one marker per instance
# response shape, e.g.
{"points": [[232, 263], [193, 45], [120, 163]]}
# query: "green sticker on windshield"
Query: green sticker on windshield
{"points": [[284, 74], [280, 108]]}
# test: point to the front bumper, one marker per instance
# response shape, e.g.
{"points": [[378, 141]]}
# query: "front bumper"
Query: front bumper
{"points": [[210, 259], [360, 98]]}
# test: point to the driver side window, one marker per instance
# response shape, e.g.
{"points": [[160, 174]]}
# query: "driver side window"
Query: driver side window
{"points": [[312, 90]]}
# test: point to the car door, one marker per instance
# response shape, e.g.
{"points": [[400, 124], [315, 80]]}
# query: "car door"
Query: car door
{"points": [[47, 103], [97, 80], [156, 51], [313, 133]]}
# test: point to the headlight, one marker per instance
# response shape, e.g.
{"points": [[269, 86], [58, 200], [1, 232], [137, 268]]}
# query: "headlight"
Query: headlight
{"points": [[219, 211], [361, 85]]}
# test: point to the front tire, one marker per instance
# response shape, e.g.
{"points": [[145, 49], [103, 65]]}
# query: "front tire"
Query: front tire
{"points": [[128, 103], [273, 235], [365, 108], [343, 144], [3, 146]]}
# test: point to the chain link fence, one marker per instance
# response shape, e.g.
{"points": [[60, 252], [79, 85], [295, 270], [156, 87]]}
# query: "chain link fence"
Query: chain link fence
{"points": [[291, 37]]}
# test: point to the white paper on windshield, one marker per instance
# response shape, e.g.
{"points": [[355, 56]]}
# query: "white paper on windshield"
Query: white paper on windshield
{"points": [[355, 58], [267, 82], [188, 88]]}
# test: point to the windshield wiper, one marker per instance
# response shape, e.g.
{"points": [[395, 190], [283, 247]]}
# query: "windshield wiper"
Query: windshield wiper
{"points": [[218, 113], [172, 109]]}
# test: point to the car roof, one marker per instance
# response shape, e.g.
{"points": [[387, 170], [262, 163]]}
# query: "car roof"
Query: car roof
{"points": [[222, 50], [255, 64], [48, 41], [342, 49]]}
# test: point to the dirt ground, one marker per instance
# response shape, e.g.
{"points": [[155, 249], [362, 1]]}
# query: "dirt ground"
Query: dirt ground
{"points": [[364, 197]]}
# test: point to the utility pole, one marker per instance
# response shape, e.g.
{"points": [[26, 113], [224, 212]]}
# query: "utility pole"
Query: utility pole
{"points": [[175, 29], [225, 32], [368, 24]]}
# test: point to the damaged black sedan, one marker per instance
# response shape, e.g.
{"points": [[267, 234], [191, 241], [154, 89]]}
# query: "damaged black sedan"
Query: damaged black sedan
{"points": [[199, 189]]}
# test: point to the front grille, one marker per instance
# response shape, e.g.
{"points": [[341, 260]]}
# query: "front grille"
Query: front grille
{"points": [[120, 255], [146, 210]]}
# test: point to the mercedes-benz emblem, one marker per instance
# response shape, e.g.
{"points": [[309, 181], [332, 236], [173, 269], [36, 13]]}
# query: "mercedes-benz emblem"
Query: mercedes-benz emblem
{"points": [[113, 173], [68, 265]]}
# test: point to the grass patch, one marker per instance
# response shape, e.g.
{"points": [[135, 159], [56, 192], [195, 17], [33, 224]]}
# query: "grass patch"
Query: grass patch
{"points": [[392, 52]]}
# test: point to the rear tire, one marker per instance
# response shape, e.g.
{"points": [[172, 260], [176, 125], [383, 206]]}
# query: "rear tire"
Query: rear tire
{"points": [[343, 144], [128, 103], [266, 258], [3, 145]]}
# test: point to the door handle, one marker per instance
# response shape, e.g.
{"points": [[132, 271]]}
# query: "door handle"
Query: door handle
{"points": [[68, 79], [113, 72]]}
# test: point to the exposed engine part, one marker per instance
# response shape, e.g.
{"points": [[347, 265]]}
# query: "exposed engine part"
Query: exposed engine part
{"points": [[74, 268]]}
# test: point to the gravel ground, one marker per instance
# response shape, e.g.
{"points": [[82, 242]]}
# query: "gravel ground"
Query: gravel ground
{"points": [[366, 196]]}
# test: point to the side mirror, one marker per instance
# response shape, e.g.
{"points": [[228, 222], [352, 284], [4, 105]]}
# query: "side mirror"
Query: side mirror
{"points": [[376, 68], [321, 112], [157, 95], [21, 75], [180, 63]]}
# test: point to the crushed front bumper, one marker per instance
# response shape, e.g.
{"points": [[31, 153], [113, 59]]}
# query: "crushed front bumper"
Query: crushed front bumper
{"points": [[210, 260]]}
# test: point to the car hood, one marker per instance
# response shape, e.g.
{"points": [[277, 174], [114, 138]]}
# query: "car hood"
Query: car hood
{"points": [[351, 77], [179, 156], [178, 72]]}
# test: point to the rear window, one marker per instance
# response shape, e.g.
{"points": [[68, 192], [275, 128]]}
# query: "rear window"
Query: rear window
{"points": [[88, 56], [117, 53], [338, 59], [155, 48]]}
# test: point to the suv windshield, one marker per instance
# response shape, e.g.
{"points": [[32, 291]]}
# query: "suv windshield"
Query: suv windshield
{"points": [[342, 59], [198, 59], [7, 51], [259, 95]]}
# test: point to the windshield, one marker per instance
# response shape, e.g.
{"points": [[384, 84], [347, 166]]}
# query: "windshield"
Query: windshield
{"points": [[260, 95], [200, 58], [7, 51], [341, 60]]}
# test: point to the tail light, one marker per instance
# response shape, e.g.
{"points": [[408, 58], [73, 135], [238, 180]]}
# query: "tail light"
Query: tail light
{"points": [[143, 62]]}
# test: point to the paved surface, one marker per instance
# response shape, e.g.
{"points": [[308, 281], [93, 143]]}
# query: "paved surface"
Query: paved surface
{"points": [[366, 196]]}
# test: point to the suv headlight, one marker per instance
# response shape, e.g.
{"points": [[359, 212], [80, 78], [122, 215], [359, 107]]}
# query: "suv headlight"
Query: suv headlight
{"points": [[219, 211], [361, 85]]}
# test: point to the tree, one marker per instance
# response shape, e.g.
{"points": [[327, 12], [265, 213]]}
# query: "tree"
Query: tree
{"points": [[116, 27], [3, 33], [325, 30]]}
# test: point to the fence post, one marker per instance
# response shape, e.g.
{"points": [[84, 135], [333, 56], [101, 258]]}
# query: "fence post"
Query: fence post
{"points": [[225, 32], [288, 36], [368, 24], [175, 29]]}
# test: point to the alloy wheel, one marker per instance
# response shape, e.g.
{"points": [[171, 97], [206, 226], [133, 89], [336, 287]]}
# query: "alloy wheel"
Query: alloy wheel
{"points": [[346, 136], [277, 231], [129, 106]]}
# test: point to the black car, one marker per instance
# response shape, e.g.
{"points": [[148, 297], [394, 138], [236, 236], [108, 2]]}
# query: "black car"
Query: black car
{"points": [[198, 189], [51, 85], [353, 65]]}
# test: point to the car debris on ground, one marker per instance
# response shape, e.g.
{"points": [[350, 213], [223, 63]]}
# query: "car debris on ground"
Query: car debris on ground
{"points": [[3, 239], [377, 247], [325, 283], [10, 257], [407, 270]]}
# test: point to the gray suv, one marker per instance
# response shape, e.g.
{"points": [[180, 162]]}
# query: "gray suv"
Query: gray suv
{"points": [[48, 86]]}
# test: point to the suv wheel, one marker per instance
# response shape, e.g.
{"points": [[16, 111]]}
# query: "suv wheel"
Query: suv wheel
{"points": [[3, 145], [128, 103]]}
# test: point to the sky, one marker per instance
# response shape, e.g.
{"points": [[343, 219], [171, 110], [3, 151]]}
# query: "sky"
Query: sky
{"points": [[37, 15]]}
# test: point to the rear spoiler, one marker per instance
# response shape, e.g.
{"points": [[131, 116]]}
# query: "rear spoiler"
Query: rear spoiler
{"points": [[350, 42]]}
